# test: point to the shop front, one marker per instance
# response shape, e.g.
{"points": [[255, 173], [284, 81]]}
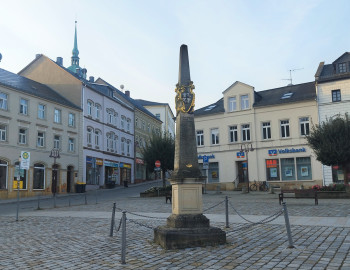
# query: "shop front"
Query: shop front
{"points": [[140, 170], [125, 173], [92, 171], [111, 173]]}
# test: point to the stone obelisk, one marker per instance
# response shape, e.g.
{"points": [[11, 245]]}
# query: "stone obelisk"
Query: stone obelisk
{"points": [[187, 226]]}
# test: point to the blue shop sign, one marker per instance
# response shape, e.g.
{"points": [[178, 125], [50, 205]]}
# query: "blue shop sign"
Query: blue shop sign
{"points": [[208, 156], [273, 152]]}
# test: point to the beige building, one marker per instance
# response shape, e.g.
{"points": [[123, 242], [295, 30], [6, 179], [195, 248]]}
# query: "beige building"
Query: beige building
{"points": [[36, 119], [249, 135]]}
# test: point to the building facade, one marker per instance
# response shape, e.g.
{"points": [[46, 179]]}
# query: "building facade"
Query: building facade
{"points": [[163, 112], [260, 136], [333, 98], [36, 119]]}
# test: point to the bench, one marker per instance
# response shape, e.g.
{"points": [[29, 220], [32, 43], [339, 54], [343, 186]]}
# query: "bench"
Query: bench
{"points": [[168, 197], [298, 193]]}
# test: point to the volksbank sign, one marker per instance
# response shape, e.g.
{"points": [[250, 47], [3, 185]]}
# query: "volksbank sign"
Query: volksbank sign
{"points": [[273, 152]]}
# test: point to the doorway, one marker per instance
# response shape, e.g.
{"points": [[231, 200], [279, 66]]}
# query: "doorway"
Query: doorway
{"points": [[55, 179], [69, 178], [242, 171]]}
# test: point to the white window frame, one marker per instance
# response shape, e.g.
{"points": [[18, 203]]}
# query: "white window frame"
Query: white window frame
{"points": [[40, 139], [122, 146], [71, 119], [57, 116], [232, 104], [40, 167], [122, 122], [22, 139], [128, 121], [245, 102], [3, 101], [128, 147], [71, 145], [23, 106], [304, 126], [97, 138], [3, 133], [233, 134], [245, 132], [89, 132], [41, 111], [89, 107], [98, 111], [285, 128], [200, 137], [266, 130], [214, 136], [57, 141]]}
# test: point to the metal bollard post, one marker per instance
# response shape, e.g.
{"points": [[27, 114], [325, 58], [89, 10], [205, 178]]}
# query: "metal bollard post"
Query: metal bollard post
{"points": [[112, 221], [123, 238], [69, 200], [96, 196], [38, 202], [54, 200], [286, 218], [85, 199], [226, 211]]}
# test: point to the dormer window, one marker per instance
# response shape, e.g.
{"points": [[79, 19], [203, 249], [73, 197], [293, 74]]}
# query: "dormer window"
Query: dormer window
{"points": [[232, 104], [244, 102], [287, 95], [342, 67]]}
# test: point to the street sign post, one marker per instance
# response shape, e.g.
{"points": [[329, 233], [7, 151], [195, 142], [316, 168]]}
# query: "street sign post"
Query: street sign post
{"points": [[25, 160], [205, 167], [157, 163]]}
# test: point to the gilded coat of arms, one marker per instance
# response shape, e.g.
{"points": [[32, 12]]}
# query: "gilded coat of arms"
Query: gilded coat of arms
{"points": [[184, 99]]}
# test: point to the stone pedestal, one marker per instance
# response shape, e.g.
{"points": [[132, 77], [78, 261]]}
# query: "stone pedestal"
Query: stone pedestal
{"points": [[187, 226]]}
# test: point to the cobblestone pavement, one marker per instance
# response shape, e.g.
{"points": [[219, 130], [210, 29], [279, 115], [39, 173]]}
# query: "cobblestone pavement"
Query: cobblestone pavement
{"points": [[55, 242]]}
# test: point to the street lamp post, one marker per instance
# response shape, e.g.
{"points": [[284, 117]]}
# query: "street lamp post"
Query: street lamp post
{"points": [[55, 153], [246, 148]]}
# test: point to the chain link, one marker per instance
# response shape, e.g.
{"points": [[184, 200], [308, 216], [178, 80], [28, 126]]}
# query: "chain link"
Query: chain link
{"points": [[139, 215], [141, 224], [120, 224]]}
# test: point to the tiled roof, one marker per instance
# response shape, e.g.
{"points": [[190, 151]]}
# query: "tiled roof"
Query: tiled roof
{"points": [[34, 88], [217, 107], [150, 103]]}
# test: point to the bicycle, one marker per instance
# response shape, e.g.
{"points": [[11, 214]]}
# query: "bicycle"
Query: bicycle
{"points": [[261, 185]]}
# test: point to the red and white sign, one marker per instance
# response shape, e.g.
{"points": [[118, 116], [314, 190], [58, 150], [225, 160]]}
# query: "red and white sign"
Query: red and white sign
{"points": [[157, 163]]}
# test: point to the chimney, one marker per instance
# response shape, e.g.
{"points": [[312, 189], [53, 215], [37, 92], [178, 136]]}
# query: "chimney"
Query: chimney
{"points": [[37, 55], [127, 93], [59, 61], [77, 71], [91, 79]]}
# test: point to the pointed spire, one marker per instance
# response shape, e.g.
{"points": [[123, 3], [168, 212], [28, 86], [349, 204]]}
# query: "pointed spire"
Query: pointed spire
{"points": [[184, 66], [75, 51], [75, 54]]}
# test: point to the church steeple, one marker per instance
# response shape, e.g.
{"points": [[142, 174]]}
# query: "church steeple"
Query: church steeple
{"points": [[75, 52]]}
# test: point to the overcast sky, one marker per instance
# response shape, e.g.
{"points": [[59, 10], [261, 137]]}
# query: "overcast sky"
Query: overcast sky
{"points": [[136, 42]]}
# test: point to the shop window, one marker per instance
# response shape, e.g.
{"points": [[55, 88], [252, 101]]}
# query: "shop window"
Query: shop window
{"points": [[23, 178], [272, 170], [337, 174], [304, 168], [213, 172], [288, 169], [39, 176], [3, 174]]}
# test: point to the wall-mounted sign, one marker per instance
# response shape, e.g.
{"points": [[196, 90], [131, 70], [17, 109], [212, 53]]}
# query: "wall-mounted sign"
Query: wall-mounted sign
{"points": [[273, 152], [240, 155], [209, 156], [25, 160], [111, 164], [99, 161]]}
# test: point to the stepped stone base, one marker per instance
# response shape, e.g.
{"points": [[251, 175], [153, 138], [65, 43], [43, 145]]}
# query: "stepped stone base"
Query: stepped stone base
{"points": [[184, 231]]}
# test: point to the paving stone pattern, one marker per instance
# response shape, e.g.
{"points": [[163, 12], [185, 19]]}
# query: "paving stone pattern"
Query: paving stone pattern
{"points": [[54, 242]]}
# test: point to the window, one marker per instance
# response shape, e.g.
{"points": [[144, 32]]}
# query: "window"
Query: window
{"points": [[56, 142], [3, 133], [122, 123], [22, 136], [41, 111], [116, 119], [285, 128], [71, 147], [3, 101], [215, 136], [40, 139], [304, 168], [39, 176], [149, 128], [342, 67], [287, 169], [23, 106], [98, 111], [287, 95], [158, 115], [266, 130], [23, 179], [143, 125], [128, 124], [89, 108], [272, 170], [136, 122], [232, 104], [200, 138], [304, 126], [123, 145], [128, 147], [89, 136], [336, 95], [244, 102], [115, 143], [233, 134], [3, 174], [97, 138], [111, 141], [71, 119], [245, 132], [57, 116]]}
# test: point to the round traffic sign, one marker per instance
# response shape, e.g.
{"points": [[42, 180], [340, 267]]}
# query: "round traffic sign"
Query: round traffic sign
{"points": [[157, 163]]}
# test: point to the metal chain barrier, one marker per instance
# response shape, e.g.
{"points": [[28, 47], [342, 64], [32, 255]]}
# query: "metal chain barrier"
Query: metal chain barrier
{"points": [[139, 215], [213, 206], [120, 224], [141, 224]]}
